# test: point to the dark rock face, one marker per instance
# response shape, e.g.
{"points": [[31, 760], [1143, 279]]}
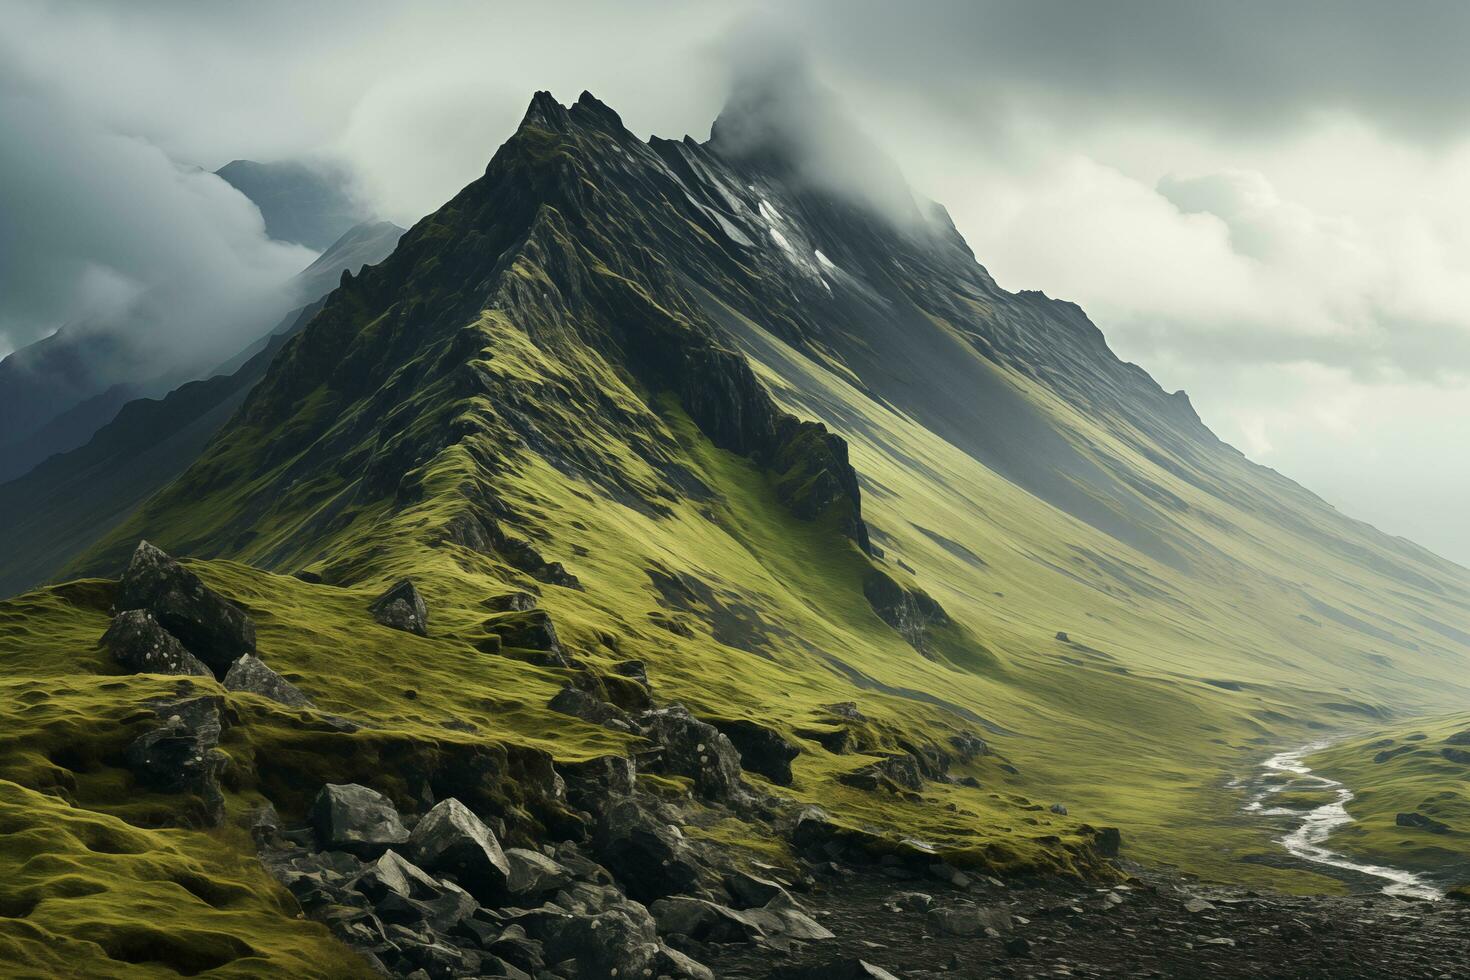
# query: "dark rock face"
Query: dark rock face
{"points": [[450, 839], [910, 611], [649, 857], [356, 819], [762, 750], [182, 755], [250, 674], [696, 749], [211, 628], [140, 645], [402, 608], [1419, 821], [598, 784]]}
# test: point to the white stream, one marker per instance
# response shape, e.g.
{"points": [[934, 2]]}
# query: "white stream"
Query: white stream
{"points": [[1308, 840]]}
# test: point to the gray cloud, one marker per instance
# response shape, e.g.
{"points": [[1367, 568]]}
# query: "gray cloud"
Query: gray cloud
{"points": [[1268, 203]]}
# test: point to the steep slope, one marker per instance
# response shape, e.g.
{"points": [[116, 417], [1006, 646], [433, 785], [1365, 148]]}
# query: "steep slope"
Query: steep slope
{"points": [[790, 453], [54, 511], [498, 381]]}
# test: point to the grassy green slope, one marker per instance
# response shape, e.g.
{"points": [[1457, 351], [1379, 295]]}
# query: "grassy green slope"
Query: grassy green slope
{"points": [[1404, 768]]}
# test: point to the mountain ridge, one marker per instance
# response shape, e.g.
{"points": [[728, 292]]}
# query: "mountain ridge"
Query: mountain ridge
{"points": [[626, 409]]}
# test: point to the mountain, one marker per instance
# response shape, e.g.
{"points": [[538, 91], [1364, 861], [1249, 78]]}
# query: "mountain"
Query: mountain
{"points": [[717, 417], [55, 510], [302, 204]]}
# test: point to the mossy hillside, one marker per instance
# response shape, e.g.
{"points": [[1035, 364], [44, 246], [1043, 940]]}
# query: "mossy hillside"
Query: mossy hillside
{"points": [[1415, 776], [1190, 668], [498, 396]]}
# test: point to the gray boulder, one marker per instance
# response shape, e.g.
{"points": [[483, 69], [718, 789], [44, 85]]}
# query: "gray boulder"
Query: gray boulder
{"points": [[450, 839], [251, 675], [402, 608], [510, 602], [750, 891], [533, 874], [967, 920], [140, 645], [210, 627], [353, 818]]}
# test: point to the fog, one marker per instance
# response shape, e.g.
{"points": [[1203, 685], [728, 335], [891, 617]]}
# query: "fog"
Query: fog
{"points": [[1267, 205]]}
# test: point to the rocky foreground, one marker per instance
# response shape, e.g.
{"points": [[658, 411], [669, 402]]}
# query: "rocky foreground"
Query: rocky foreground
{"points": [[622, 877]]}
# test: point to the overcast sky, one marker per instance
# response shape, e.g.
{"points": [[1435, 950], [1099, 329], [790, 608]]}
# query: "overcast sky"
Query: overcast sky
{"points": [[1264, 203]]}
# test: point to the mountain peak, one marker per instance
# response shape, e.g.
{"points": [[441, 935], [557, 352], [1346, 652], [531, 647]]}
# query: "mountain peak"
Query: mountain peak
{"points": [[781, 121]]}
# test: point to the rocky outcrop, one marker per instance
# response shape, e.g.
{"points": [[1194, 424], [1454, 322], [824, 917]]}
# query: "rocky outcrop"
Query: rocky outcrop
{"points": [[1419, 821], [763, 750], [251, 675], [909, 610], [182, 755], [402, 608], [210, 627], [357, 820], [698, 750], [140, 645], [894, 773]]}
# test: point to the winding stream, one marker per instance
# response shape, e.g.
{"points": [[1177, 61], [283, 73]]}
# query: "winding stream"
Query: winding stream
{"points": [[1307, 841]]}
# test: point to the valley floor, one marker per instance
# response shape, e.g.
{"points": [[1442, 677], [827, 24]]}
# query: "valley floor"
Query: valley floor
{"points": [[1155, 926]]}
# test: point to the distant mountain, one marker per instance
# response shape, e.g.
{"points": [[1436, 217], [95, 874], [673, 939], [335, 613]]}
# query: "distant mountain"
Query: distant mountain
{"points": [[301, 203], [54, 394], [734, 426], [113, 450]]}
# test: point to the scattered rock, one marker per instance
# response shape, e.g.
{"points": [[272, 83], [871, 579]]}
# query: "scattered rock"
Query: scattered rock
{"points": [[451, 839], [762, 750], [913, 901], [533, 874], [402, 608], [353, 818], [140, 645], [967, 920], [1419, 821], [250, 674], [1194, 906], [749, 891], [847, 968], [1059, 809], [392, 873], [1063, 637], [211, 628]]}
